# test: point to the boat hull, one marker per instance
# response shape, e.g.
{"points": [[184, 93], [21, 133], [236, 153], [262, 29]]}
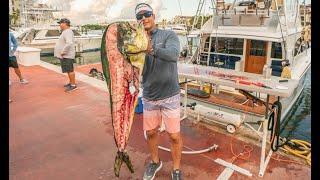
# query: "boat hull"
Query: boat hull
{"points": [[81, 45]]}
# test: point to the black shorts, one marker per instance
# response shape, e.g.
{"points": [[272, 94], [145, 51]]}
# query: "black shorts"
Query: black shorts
{"points": [[13, 62], [66, 65]]}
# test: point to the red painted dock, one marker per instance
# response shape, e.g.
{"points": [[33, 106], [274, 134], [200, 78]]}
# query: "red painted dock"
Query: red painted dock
{"points": [[57, 135]]}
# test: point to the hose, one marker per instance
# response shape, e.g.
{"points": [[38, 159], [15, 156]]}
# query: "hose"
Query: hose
{"points": [[214, 147], [299, 148], [274, 125]]}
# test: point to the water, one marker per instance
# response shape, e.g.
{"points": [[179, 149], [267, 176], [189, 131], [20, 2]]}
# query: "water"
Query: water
{"points": [[298, 121]]}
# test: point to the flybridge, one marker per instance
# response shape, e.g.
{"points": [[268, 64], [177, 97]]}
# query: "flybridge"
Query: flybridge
{"points": [[267, 13]]}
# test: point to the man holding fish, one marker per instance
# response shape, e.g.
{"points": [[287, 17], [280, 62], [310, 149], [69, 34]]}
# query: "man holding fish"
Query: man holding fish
{"points": [[161, 91]]}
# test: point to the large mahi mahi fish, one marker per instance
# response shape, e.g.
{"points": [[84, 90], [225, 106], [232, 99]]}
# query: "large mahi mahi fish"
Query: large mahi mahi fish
{"points": [[122, 57]]}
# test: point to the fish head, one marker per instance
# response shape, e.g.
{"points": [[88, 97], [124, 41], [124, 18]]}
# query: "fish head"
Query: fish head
{"points": [[134, 41]]}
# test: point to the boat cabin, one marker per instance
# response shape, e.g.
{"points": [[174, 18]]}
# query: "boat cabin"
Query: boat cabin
{"points": [[248, 37], [240, 54]]}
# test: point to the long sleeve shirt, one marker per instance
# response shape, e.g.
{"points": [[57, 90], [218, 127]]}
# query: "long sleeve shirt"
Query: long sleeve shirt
{"points": [[160, 73], [65, 45], [13, 44]]}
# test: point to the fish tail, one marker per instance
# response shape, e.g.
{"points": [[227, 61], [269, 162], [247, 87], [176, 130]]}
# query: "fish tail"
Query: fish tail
{"points": [[126, 159], [120, 158], [117, 163]]}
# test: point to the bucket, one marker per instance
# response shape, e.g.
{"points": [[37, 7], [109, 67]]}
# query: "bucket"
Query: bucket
{"points": [[139, 107]]}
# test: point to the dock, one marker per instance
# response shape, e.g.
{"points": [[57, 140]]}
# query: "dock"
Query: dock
{"points": [[58, 135]]}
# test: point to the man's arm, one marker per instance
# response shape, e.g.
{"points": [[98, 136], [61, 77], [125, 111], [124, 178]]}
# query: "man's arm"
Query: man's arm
{"points": [[69, 42], [14, 43], [171, 50]]}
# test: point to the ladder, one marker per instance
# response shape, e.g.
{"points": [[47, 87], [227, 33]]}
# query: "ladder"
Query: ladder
{"points": [[198, 12]]}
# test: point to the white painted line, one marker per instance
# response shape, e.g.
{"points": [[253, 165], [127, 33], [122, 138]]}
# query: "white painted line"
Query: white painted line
{"points": [[226, 174], [234, 167]]}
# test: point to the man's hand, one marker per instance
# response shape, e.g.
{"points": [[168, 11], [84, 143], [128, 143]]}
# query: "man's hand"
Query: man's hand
{"points": [[149, 48]]}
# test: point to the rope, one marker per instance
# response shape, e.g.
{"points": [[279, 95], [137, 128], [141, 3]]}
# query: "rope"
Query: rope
{"points": [[244, 155], [299, 148]]}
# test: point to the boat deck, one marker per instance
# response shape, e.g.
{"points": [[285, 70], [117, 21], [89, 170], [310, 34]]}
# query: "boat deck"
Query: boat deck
{"points": [[232, 100], [58, 135]]}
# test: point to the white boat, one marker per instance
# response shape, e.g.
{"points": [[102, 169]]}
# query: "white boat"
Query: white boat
{"points": [[46, 38], [255, 37], [177, 28], [243, 58]]}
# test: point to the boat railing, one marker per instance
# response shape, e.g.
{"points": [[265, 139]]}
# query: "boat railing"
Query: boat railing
{"points": [[245, 11], [247, 17]]}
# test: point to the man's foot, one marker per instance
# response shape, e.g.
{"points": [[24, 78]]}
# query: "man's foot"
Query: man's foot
{"points": [[71, 88], [176, 175], [24, 81], [67, 85], [151, 170]]}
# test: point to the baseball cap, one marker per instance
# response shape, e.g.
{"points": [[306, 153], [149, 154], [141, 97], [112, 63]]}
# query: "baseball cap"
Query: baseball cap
{"points": [[143, 7], [64, 20]]}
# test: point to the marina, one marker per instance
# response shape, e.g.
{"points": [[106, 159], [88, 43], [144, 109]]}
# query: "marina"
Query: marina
{"points": [[245, 96]]}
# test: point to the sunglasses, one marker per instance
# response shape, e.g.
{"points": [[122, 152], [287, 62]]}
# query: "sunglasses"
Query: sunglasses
{"points": [[146, 15]]}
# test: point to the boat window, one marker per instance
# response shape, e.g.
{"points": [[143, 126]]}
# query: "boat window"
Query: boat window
{"points": [[52, 33], [276, 50], [257, 48], [228, 45]]}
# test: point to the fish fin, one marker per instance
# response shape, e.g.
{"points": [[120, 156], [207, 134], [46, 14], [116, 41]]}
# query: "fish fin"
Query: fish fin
{"points": [[105, 68], [126, 159], [105, 62], [117, 163]]}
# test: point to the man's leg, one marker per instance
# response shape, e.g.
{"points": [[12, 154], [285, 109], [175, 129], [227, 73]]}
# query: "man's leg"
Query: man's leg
{"points": [[152, 140], [14, 64], [18, 73], [176, 148], [171, 117], [151, 122], [72, 78], [71, 74]]}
